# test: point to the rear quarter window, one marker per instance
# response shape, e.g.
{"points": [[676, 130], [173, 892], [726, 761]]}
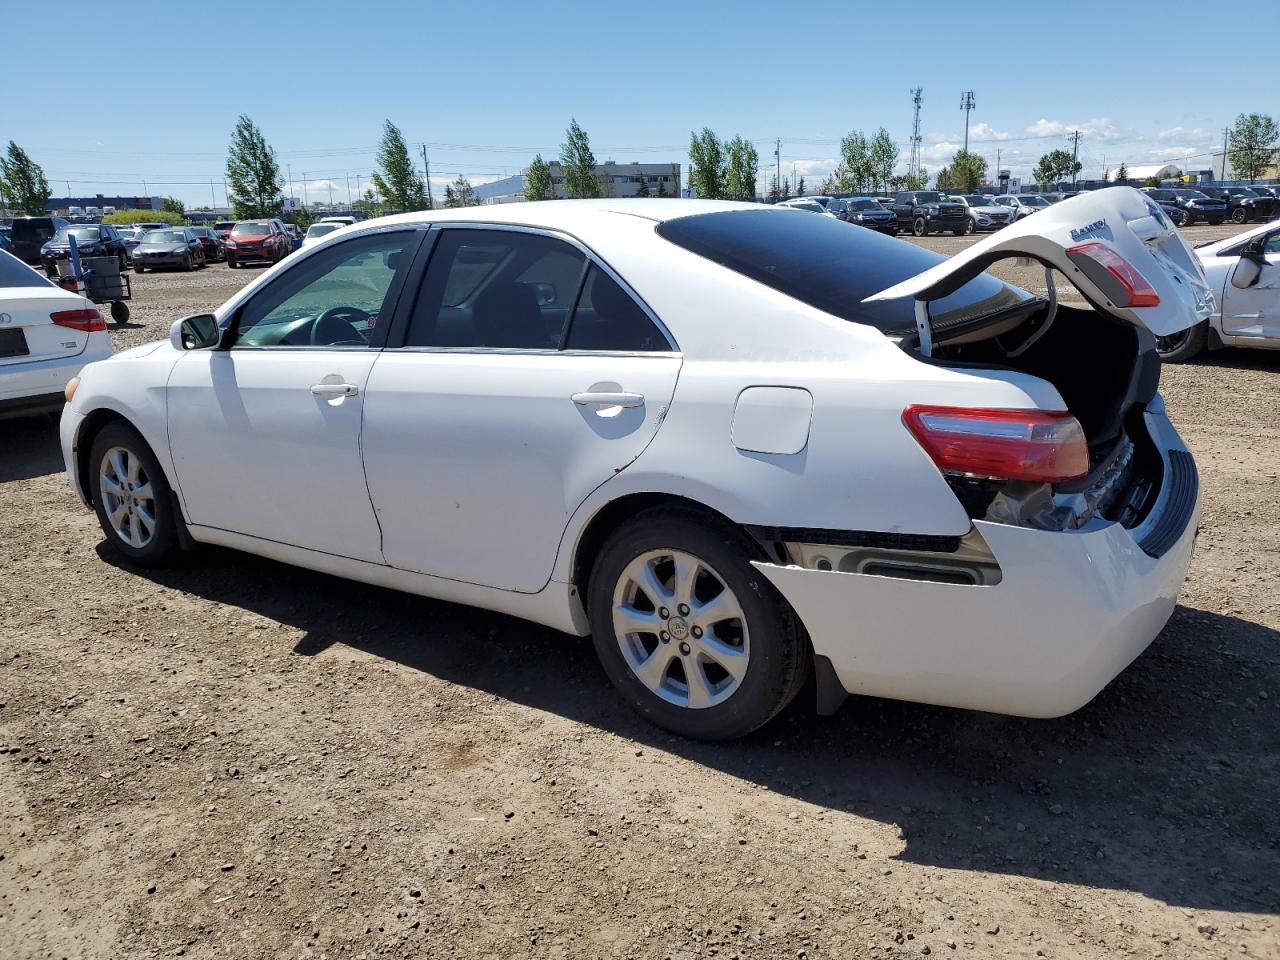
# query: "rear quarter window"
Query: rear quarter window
{"points": [[15, 273]]}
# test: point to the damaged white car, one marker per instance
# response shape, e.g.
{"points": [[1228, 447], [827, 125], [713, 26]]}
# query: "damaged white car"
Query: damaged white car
{"points": [[737, 447]]}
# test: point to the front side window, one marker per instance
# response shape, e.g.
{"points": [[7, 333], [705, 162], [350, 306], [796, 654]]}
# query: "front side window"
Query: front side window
{"points": [[1272, 244], [335, 298]]}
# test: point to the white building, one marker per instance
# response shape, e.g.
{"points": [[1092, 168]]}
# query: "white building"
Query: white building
{"points": [[623, 180]]}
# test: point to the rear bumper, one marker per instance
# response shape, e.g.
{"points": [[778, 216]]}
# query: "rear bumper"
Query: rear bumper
{"points": [[1071, 611]]}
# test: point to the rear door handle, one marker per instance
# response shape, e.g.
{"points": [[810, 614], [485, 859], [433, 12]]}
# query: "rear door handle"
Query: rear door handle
{"points": [[334, 389], [599, 400]]}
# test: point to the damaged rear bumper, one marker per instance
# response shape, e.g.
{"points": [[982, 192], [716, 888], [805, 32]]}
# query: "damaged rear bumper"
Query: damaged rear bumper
{"points": [[1070, 611]]}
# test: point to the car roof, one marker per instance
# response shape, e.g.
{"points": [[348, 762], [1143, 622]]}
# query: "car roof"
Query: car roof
{"points": [[567, 215]]}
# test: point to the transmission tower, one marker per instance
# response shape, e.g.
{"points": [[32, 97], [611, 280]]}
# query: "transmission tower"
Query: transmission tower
{"points": [[913, 166], [966, 104]]}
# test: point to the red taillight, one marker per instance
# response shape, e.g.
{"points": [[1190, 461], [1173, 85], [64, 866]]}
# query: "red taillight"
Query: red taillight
{"points": [[1036, 445], [88, 321], [1139, 289]]}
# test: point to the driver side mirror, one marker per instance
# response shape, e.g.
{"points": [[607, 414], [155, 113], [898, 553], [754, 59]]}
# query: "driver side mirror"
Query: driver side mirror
{"points": [[195, 332], [1247, 271]]}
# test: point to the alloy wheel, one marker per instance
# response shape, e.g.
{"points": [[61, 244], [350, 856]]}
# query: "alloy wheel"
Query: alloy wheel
{"points": [[1167, 345], [128, 496], [681, 629]]}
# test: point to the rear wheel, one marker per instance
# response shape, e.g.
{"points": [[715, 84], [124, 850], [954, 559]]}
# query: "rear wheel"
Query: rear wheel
{"points": [[187, 264], [1239, 215], [132, 497], [920, 227], [119, 311], [1183, 345], [693, 637]]}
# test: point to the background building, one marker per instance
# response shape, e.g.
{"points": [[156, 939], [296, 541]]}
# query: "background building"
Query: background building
{"points": [[623, 180], [60, 205]]}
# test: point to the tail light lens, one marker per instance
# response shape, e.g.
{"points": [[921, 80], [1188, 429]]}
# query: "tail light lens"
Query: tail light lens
{"points": [[1139, 291], [1036, 445], [87, 321]]}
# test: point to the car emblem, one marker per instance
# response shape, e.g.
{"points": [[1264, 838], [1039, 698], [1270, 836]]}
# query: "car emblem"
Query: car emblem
{"points": [[5, 318]]}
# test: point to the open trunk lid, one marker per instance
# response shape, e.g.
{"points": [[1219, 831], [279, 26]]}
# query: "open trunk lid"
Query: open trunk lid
{"points": [[1116, 246]]}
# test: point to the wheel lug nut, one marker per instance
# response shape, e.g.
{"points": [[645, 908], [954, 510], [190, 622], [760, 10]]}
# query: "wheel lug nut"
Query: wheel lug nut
{"points": [[684, 609], [664, 636], [685, 648], [664, 613], [697, 631]]}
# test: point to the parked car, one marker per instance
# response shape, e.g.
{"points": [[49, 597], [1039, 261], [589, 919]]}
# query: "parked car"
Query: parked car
{"points": [[223, 229], [714, 479], [131, 236], [1242, 203], [212, 243], [1267, 190], [1244, 273], [865, 212], [1186, 206], [983, 214], [339, 218], [170, 247], [257, 241], [29, 234], [927, 211], [5, 243], [806, 204], [1022, 204], [98, 240], [145, 227], [46, 335], [318, 230]]}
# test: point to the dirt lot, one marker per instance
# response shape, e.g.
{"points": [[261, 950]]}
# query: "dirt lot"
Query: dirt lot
{"points": [[240, 759]]}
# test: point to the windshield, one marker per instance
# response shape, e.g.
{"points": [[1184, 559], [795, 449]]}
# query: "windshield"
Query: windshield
{"points": [[821, 262], [1034, 200], [224, 225], [1190, 194], [320, 229], [82, 234], [928, 196], [164, 236], [864, 205], [1242, 192], [15, 273], [806, 205], [250, 230]]}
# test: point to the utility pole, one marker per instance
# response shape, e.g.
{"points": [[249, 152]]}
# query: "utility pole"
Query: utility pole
{"points": [[913, 165], [359, 192], [213, 197], [997, 179], [289, 168], [777, 155], [1224, 154], [348, 176], [1075, 151], [967, 103], [304, 188], [426, 176]]}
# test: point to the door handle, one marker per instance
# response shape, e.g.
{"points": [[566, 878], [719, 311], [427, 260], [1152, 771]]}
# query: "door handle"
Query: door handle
{"points": [[334, 389], [598, 400]]}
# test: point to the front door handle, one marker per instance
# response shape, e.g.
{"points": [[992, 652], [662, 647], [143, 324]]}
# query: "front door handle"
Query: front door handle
{"points": [[334, 389], [601, 400]]}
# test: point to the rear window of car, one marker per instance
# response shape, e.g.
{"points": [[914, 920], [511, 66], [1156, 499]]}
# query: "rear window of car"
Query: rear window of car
{"points": [[821, 262], [320, 229], [15, 273], [250, 230], [164, 236]]}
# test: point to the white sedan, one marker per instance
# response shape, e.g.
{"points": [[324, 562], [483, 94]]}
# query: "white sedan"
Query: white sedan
{"points": [[1244, 274], [704, 433], [46, 335]]}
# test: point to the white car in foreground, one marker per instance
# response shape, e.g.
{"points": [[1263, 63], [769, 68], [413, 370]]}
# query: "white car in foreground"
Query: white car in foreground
{"points": [[732, 444], [46, 335], [1244, 273]]}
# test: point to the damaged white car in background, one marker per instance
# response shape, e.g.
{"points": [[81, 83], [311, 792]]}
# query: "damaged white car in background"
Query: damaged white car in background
{"points": [[736, 446]]}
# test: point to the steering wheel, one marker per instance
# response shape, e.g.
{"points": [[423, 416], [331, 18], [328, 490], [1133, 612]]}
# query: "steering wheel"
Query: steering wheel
{"points": [[336, 328]]}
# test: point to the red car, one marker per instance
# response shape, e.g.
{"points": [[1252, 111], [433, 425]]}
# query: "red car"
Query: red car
{"points": [[257, 240], [223, 228]]}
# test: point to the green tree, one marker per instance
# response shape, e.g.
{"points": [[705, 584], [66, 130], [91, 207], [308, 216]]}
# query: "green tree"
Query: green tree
{"points": [[774, 192], [831, 184], [1251, 145], [968, 170], [23, 186], [396, 178], [786, 187], [369, 204], [744, 160], [662, 188], [917, 181], [1054, 166], [945, 180], [174, 205], [302, 218], [126, 217], [537, 180], [578, 163], [1151, 182], [460, 193], [882, 157], [1122, 174], [253, 174], [642, 189], [708, 165], [855, 160]]}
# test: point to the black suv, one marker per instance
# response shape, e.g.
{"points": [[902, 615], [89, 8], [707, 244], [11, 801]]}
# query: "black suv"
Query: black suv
{"points": [[1243, 204], [1186, 207], [92, 240], [927, 211], [29, 234]]}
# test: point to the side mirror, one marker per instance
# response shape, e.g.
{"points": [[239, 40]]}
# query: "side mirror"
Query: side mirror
{"points": [[1246, 273], [195, 332]]}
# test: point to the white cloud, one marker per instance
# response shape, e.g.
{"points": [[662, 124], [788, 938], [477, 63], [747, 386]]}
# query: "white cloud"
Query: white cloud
{"points": [[1100, 129], [1185, 134], [984, 131]]}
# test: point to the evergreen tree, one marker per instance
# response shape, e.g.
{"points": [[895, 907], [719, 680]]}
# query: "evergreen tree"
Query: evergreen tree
{"points": [[1122, 174], [397, 179], [800, 186], [23, 185], [460, 193], [643, 189], [537, 180], [578, 163], [253, 174]]}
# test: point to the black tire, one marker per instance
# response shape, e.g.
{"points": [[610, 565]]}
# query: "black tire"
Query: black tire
{"points": [[920, 227], [970, 227], [188, 264], [119, 311], [124, 262], [1216, 221], [163, 548], [138, 268], [1182, 346], [779, 655], [1239, 215], [231, 264], [963, 231]]}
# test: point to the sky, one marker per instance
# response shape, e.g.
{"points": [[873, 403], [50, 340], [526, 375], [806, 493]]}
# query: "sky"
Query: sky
{"points": [[486, 86]]}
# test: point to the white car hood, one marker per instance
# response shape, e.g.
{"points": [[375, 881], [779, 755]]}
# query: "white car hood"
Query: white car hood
{"points": [[1119, 218]]}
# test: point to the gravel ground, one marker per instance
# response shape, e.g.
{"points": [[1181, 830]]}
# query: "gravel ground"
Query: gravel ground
{"points": [[241, 759]]}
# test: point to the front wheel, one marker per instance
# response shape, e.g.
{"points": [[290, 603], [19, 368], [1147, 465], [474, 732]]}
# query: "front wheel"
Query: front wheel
{"points": [[131, 497], [1182, 346], [920, 226], [119, 311], [1239, 215], [1215, 221], [187, 264], [693, 637]]}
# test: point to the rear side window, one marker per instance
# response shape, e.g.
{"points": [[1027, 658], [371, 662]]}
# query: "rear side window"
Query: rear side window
{"points": [[608, 318], [15, 273], [821, 262]]}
